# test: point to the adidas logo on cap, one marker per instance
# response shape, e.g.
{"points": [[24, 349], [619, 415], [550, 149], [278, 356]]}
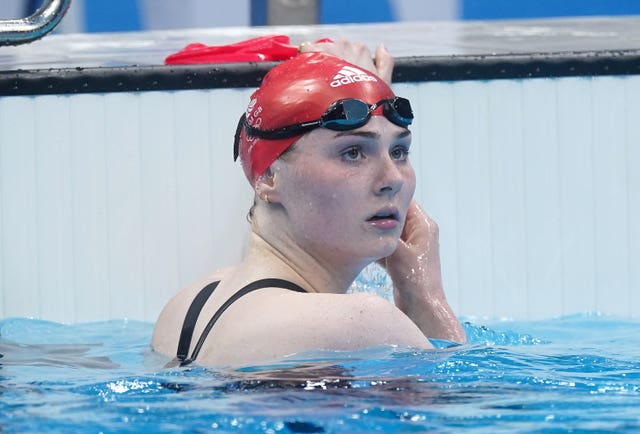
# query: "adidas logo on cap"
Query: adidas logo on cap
{"points": [[349, 74]]}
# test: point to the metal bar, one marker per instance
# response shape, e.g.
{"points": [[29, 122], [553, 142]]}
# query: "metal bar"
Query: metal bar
{"points": [[33, 27]]}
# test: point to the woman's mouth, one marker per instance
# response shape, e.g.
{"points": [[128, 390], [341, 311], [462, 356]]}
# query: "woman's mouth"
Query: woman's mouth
{"points": [[386, 219]]}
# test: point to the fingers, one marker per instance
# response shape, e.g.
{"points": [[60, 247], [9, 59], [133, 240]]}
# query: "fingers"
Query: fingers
{"points": [[356, 53], [415, 215], [411, 232], [420, 231], [384, 64], [418, 242], [305, 47], [419, 217]]}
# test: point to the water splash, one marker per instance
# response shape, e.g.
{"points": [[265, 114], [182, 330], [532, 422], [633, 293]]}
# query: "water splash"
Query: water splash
{"points": [[373, 279]]}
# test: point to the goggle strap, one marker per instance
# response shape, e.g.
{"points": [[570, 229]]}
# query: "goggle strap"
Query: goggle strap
{"points": [[236, 142], [286, 132]]}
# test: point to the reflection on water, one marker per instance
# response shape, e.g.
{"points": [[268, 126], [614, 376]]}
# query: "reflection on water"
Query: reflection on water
{"points": [[53, 355]]}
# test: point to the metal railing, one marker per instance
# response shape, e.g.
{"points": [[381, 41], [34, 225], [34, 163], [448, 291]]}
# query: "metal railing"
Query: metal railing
{"points": [[31, 28]]}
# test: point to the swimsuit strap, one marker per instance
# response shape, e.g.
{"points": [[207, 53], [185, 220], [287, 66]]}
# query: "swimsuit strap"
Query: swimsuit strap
{"points": [[191, 318], [258, 284]]}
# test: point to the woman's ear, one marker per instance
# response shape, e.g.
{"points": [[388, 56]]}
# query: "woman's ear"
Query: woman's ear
{"points": [[266, 187]]}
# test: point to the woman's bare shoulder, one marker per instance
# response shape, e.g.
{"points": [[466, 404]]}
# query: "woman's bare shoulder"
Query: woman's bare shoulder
{"points": [[169, 323], [362, 320], [288, 323]]}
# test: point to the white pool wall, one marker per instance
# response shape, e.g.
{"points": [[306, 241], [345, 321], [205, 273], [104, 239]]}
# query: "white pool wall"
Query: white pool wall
{"points": [[536, 187], [109, 203]]}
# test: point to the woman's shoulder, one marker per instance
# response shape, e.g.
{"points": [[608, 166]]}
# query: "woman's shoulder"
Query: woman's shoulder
{"points": [[272, 324], [359, 320], [269, 324], [169, 323]]}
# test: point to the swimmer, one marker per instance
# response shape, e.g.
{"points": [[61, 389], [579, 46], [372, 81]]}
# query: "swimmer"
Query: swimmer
{"points": [[325, 145]]}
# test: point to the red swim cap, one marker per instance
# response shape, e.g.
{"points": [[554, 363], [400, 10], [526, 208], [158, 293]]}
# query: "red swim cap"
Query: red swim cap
{"points": [[300, 90]]}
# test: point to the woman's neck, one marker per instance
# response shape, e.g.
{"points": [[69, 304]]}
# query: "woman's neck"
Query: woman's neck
{"points": [[275, 257]]}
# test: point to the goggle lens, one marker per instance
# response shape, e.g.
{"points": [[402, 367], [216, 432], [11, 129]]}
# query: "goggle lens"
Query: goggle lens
{"points": [[347, 114], [399, 111]]}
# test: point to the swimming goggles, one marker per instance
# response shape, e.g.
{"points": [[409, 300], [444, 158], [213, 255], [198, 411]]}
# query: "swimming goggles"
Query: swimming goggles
{"points": [[342, 115]]}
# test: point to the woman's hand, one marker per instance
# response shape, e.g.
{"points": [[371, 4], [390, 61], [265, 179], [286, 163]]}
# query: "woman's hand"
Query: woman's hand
{"points": [[415, 271], [356, 53]]}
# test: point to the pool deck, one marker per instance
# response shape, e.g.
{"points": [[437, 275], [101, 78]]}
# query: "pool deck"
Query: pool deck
{"points": [[424, 51], [409, 39]]}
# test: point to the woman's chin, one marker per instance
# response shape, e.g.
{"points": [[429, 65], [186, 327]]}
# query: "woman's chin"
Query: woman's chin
{"points": [[385, 249]]}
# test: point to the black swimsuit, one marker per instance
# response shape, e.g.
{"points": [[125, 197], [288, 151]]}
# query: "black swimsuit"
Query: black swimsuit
{"points": [[197, 304]]}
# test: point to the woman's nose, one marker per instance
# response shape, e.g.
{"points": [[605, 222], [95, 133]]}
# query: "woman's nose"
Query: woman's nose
{"points": [[389, 179]]}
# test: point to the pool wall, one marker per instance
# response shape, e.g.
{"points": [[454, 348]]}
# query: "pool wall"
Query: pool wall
{"points": [[110, 201], [535, 184]]}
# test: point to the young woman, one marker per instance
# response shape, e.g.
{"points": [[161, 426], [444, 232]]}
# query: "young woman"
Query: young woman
{"points": [[324, 143]]}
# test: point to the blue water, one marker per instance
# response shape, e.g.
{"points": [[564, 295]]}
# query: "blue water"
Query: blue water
{"points": [[573, 374]]}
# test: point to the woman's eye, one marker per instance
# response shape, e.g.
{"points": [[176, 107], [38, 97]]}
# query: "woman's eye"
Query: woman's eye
{"points": [[400, 153], [352, 153]]}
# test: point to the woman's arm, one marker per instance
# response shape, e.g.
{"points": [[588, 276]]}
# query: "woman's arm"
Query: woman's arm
{"points": [[414, 269]]}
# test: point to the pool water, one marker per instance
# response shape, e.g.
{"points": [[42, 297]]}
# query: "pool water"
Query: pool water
{"points": [[573, 374]]}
